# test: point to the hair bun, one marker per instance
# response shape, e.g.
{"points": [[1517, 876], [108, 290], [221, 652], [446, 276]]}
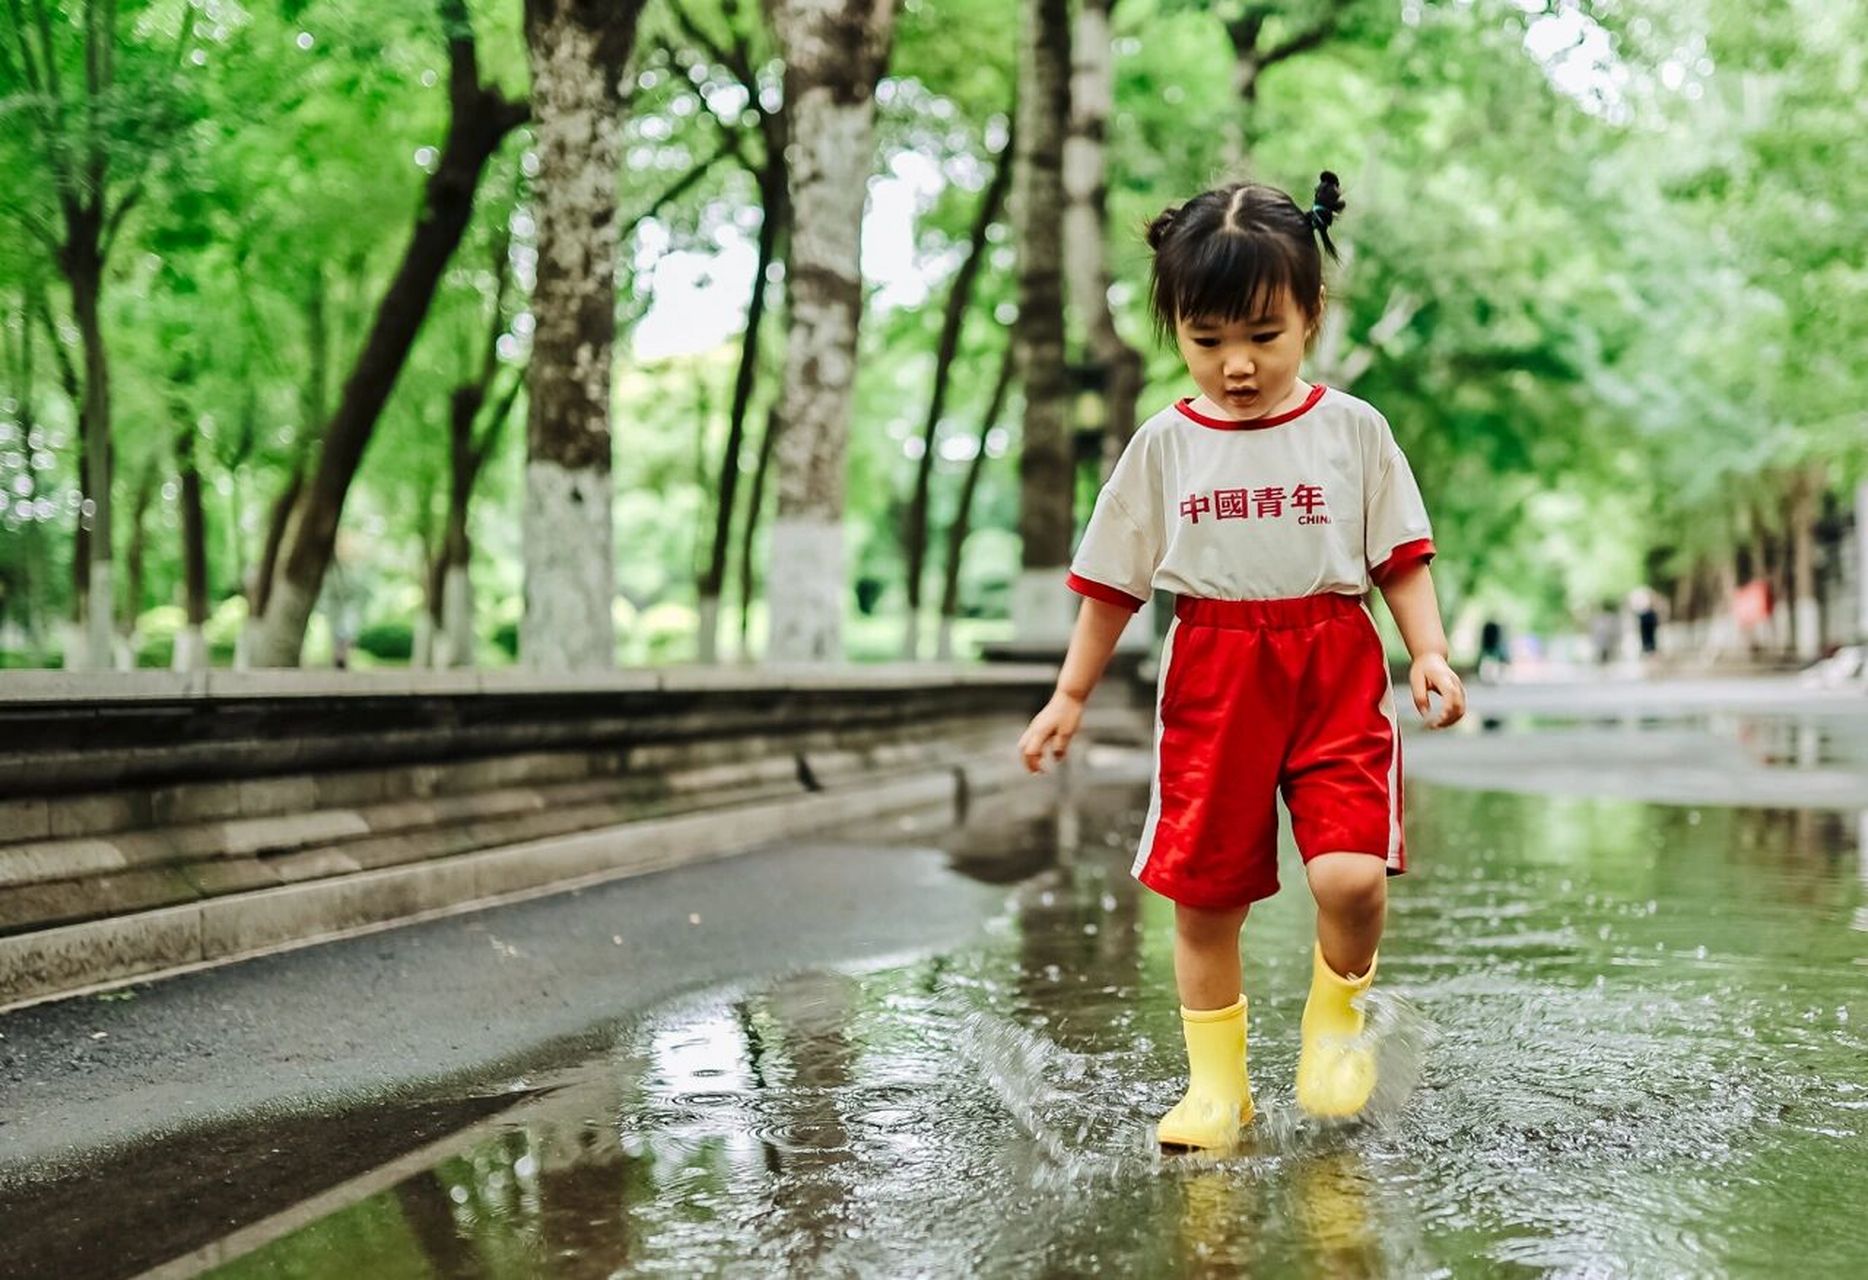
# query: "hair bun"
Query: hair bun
{"points": [[1328, 202], [1324, 206], [1159, 228]]}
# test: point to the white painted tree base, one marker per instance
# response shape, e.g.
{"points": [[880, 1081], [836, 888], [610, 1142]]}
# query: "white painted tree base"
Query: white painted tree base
{"points": [[191, 651], [570, 578], [279, 638], [1044, 610], [453, 643], [707, 644], [100, 640], [804, 592], [1809, 621]]}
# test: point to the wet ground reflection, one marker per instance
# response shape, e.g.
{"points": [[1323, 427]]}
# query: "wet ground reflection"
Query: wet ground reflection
{"points": [[1639, 1031]]}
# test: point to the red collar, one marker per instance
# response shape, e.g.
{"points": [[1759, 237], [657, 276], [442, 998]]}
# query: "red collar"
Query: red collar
{"points": [[1252, 424]]}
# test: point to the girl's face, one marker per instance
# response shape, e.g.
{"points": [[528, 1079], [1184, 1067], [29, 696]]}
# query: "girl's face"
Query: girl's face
{"points": [[1247, 368]]}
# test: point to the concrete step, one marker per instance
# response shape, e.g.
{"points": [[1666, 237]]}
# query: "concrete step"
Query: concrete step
{"points": [[79, 883], [129, 945]]}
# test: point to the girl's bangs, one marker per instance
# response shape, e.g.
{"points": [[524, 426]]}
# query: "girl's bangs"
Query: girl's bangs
{"points": [[1232, 277]]}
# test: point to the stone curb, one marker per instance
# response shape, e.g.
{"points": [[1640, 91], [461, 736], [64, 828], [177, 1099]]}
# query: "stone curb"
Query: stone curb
{"points": [[100, 954], [169, 686]]}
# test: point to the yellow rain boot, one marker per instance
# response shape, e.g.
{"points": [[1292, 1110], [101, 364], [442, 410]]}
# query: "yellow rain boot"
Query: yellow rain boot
{"points": [[1219, 1097], [1335, 1072]]}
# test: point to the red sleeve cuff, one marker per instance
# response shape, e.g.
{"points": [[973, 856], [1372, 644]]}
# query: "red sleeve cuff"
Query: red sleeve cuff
{"points": [[1097, 591], [1401, 559]]}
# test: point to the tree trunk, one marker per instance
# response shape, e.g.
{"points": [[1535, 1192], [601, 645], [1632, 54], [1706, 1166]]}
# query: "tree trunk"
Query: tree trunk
{"points": [[32, 530], [1806, 490], [963, 510], [74, 391], [135, 587], [84, 271], [190, 649], [1040, 607], [577, 50], [1253, 55], [959, 301], [755, 504], [834, 50], [452, 585], [1118, 367], [774, 196], [480, 119]]}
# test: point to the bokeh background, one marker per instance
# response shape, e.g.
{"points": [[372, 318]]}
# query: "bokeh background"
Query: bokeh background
{"points": [[1603, 272]]}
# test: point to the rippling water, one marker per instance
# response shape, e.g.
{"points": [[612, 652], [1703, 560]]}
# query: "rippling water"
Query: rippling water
{"points": [[1617, 1039]]}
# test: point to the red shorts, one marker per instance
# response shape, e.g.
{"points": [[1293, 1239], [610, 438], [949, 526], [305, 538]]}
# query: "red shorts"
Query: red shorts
{"points": [[1258, 696]]}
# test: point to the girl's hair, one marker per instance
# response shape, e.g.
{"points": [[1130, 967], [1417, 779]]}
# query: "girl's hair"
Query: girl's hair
{"points": [[1229, 252]]}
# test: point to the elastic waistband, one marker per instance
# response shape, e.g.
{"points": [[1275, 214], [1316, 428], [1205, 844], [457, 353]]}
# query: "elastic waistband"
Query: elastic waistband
{"points": [[1276, 615]]}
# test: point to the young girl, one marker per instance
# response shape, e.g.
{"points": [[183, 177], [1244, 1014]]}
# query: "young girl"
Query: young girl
{"points": [[1268, 506]]}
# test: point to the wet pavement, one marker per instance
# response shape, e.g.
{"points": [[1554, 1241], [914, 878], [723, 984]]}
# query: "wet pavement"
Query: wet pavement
{"points": [[1617, 1037]]}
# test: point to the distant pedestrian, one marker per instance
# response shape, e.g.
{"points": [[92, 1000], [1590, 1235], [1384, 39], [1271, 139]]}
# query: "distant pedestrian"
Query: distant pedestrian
{"points": [[1646, 609], [1605, 633], [1270, 507], [1494, 653]]}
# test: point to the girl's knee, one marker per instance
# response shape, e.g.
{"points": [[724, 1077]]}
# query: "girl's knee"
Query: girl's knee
{"points": [[1202, 927], [1353, 884]]}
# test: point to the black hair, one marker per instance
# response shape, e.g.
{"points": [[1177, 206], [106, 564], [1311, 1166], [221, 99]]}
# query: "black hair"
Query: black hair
{"points": [[1229, 252]]}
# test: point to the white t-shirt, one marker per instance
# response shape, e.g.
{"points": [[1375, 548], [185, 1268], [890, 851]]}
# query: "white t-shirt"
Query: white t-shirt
{"points": [[1319, 499]]}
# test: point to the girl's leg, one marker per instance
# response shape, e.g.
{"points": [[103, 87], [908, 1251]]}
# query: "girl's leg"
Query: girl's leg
{"points": [[1206, 956], [1206, 971], [1351, 890], [1335, 1070]]}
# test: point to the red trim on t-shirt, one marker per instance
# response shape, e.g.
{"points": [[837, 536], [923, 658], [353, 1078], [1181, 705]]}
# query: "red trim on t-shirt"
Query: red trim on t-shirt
{"points": [[1252, 424], [1098, 591], [1403, 557]]}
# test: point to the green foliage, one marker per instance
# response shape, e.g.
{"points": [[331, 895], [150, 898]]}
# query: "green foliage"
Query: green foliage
{"points": [[1603, 279], [389, 641]]}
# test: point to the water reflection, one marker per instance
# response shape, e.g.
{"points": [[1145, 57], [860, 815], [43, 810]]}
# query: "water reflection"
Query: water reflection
{"points": [[1645, 1057]]}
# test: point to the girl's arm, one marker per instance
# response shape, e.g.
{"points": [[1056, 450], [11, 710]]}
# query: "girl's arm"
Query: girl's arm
{"points": [[1099, 626], [1416, 609]]}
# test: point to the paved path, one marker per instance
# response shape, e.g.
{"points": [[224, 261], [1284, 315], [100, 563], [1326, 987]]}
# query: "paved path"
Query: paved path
{"points": [[453, 998]]}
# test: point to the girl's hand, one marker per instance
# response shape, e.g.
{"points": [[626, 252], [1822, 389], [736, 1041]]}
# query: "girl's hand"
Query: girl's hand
{"points": [[1051, 728], [1432, 674]]}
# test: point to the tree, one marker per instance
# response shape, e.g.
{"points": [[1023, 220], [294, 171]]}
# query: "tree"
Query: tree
{"points": [[99, 135], [835, 51], [1046, 466], [579, 49], [1112, 366], [959, 303], [480, 118], [766, 162], [963, 508]]}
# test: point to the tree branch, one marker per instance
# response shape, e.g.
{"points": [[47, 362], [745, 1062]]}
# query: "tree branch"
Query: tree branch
{"points": [[488, 439], [681, 186], [67, 371], [28, 69], [1304, 41], [100, 34], [463, 55], [42, 230], [47, 52], [115, 222], [737, 59]]}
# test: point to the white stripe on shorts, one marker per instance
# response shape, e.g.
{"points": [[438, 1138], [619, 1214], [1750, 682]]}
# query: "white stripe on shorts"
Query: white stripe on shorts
{"points": [[1394, 747], [1147, 843]]}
